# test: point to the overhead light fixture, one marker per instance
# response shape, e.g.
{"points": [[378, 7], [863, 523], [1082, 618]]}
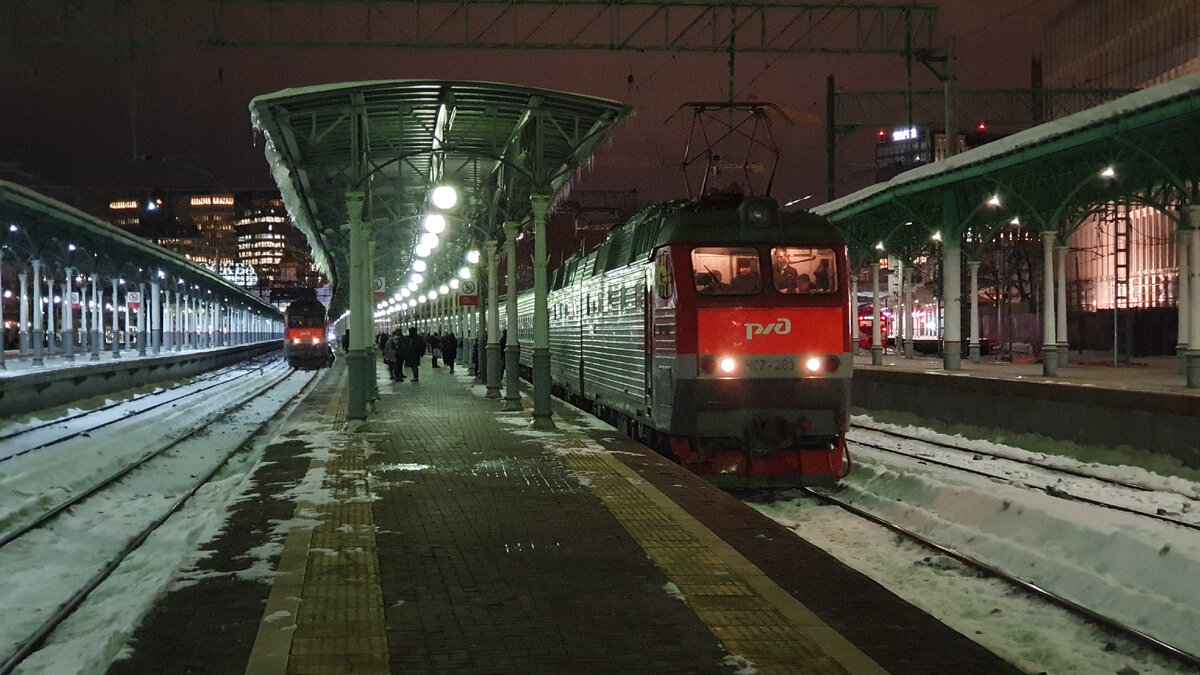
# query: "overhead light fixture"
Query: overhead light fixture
{"points": [[419, 266], [430, 240], [444, 197], [464, 272], [435, 223], [473, 258], [422, 251]]}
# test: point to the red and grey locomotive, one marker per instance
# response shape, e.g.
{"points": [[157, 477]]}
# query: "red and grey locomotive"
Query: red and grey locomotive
{"points": [[718, 329], [305, 335]]}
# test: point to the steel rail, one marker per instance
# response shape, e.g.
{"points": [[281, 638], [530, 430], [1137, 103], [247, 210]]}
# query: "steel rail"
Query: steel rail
{"points": [[80, 432], [1052, 491], [73, 603], [1100, 620], [48, 515], [204, 377]]}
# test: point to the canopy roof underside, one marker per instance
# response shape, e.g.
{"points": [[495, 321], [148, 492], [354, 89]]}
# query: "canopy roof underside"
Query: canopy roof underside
{"points": [[395, 140]]}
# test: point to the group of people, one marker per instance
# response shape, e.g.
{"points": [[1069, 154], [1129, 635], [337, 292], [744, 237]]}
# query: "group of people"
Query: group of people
{"points": [[406, 349]]}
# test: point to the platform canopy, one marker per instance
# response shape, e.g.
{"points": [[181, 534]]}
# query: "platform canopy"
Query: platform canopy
{"points": [[396, 140], [1140, 148]]}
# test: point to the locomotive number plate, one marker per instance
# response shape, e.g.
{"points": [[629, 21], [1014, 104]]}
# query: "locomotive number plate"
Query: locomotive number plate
{"points": [[771, 363]]}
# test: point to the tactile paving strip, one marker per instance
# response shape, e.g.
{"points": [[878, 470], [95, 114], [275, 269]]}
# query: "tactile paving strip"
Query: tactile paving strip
{"points": [[325, 612], [776, 633]]}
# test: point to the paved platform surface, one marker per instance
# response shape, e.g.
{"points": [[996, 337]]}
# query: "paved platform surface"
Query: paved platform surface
{"points": [[1149, 373], [445, 536]]}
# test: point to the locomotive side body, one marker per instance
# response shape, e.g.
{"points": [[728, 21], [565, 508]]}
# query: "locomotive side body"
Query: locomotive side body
{"points": [[305, 335], [746, 384]]}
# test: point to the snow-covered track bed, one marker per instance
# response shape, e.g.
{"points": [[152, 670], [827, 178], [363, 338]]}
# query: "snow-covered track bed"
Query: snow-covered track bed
{"points": [[1175, 502], [76, 514]]}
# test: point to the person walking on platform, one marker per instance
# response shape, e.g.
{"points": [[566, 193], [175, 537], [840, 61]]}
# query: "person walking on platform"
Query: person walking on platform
{"points": [[435, 347], [393, 355], [414, 351], [449, 349], [503, 346]]}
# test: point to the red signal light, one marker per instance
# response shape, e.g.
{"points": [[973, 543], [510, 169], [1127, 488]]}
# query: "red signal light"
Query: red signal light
{"points": [[882, 133], [982, 126]]}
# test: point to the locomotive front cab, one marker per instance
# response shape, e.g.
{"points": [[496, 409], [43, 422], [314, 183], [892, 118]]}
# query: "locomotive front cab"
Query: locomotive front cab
{"points": [[762, 376]]}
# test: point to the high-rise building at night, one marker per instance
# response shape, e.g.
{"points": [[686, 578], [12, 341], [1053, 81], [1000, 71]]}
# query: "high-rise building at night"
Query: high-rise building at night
{"points": [[246, 237]]}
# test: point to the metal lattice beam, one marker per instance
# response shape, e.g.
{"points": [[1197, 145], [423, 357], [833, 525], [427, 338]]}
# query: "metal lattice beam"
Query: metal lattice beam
{"points": [[642, 25]]}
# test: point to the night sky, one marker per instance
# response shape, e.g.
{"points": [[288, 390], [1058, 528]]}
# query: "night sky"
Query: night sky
{"points": [[85, 126]]}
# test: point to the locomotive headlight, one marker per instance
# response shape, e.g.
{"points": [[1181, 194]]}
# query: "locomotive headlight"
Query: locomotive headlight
{"points": [[316, 341], [728, 365], [295, 341], [813, 364]]}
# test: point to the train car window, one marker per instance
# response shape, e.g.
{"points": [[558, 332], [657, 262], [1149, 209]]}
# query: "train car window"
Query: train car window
{"points": [[720, 270], [804, 270]]}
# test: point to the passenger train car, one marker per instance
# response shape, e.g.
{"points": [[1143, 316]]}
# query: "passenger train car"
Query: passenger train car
{"points": [[719, 331], [305, 335]]}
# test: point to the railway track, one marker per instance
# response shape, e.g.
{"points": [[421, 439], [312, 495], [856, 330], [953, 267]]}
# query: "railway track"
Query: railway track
{"points": [[25, 439], [133, 500], [1053, 476], [1112, 626]]}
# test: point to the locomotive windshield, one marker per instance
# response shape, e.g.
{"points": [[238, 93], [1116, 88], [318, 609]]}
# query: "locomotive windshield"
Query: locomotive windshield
{"points": [[736, 271], [726, 271], [305, 321], [804, 270]]}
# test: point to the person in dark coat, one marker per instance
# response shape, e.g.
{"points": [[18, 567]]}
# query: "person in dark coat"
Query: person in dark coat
{"points": [[413, 351], [449, 349], [393, 356]]}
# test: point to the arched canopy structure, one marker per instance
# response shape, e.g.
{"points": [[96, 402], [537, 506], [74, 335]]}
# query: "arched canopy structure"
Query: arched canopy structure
{"points": [[396, 140], [36, 226], [1140, 148], [1048, 175]]}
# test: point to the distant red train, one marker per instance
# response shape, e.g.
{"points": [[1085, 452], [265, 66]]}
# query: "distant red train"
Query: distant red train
{"points": [[305, 335], [717, 330], [866, 321]]}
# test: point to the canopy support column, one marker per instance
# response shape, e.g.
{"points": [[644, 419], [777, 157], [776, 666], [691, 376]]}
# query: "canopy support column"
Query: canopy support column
{"points": [[492, 358], [68, 317], [876, 315], [512, 356], [38, 333], [973, 348], [951, 286], [541, 318], [1049, 346], [360, 304], [1183, 238], [1193, 280], [1060, 322]]}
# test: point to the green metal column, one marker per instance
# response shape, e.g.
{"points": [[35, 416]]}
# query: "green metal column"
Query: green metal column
{"points": [[493, 323], [372, 345], [1193, 280], [541, 318], [1183, 238], [951, 286], [876, 315], [973, 347], [1049, 346], [512, 355], [356, 404], [1060, 320]]}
